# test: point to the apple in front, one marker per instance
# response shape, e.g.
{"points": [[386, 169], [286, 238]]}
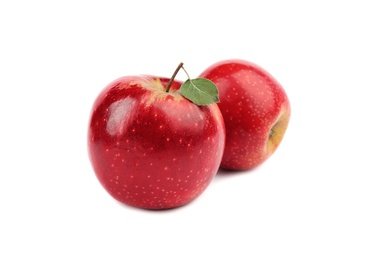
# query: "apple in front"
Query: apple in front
{"points": [[256, 111], [151, 148]]}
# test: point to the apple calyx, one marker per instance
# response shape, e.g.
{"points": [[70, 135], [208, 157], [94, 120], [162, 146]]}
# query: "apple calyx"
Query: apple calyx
{"points": [[271, 132], [199, 91]]}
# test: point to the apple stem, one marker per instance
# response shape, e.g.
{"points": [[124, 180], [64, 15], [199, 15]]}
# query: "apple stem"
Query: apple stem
{"points": [[173, 77]]}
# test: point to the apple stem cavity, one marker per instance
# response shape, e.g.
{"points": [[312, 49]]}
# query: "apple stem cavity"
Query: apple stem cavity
{"points": [[174, 76]]}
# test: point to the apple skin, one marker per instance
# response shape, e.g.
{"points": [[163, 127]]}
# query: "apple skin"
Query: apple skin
{"points": [[151, 149], [256, 111]]}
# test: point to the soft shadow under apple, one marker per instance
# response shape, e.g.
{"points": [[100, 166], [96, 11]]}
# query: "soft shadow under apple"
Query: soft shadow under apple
{"points": [[223, 174]]}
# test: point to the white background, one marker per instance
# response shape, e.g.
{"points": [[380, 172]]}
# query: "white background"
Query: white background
{"points": [[324, 194]]}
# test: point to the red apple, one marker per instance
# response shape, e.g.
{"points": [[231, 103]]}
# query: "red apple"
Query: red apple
{"points": [[151, 148], [256, 111]]}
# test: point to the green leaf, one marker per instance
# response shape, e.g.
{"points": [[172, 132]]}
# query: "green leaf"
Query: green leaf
{"points": [[200, 91]]}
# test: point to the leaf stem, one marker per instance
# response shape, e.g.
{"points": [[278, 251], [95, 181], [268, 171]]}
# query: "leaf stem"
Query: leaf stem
{"points": [[186, 72], [173, 76]]}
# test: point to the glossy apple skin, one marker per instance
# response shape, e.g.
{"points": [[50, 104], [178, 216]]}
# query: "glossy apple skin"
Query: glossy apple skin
{"points": [[151, 149], [252, 103]]}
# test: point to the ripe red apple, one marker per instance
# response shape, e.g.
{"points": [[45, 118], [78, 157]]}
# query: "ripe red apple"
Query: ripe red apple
{"points": [[256, 111], [151, 148]]}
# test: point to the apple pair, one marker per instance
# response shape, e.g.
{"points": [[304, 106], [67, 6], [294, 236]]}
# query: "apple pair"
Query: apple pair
{"points": [[157, 143]]}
